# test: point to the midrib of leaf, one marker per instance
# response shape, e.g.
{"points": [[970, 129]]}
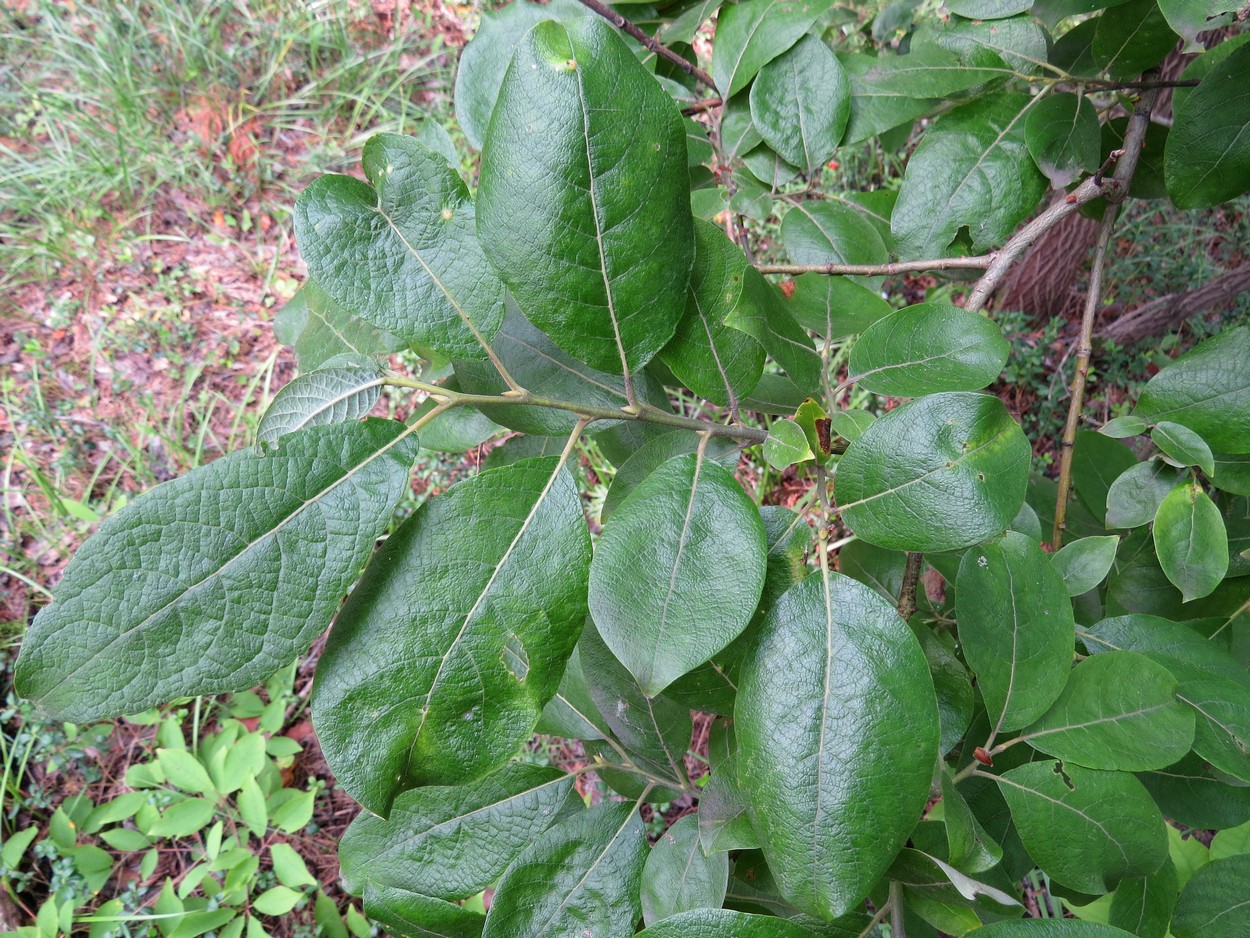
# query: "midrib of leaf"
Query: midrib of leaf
{"points": [[950, 353], [539, 353], [1113, 718], [720, 368], [592, 191], [681, 550], [335, 401], [817, 873], [212, 575], [335, 329], [746, 44], [1077, 811], [1232, 734], [568, 703], [585, 876], [945, 467], [464, 626]]}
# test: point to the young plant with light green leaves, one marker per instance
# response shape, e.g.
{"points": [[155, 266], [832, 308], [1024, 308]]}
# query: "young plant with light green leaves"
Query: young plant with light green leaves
{"points": [[881, 753]]}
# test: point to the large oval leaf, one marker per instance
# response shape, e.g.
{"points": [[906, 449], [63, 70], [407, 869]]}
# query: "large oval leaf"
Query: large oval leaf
{"points": [[971, 169], [800, 102], [212, 582], [440, 663], [582, 875], [1207, 159], [1062, 135], [451, 843], [828, 233], [725, 923], [1015, 626], [837, 730], [752, 33], [1191, 541], [329, 395], [678, 877], [1213, 903], [584, 204], [1085, 828], [939, 473], [928, 348], [678, 571], [1117, 711], [1207, 390], [400, 250]]}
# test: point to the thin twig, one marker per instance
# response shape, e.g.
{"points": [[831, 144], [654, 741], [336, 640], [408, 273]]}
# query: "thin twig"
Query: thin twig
{"points": [[699, 107], [625, 25], [977, 262], [877, 918], [1134, 138], [897, 928], [1149, 84], [911, 580]]}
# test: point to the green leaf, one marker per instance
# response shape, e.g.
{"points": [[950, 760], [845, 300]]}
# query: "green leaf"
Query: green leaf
{"points": [[330, 395], [124, 839], [877, 105], [835, 307], [1207, 390], [1137, 493], [456, 430], [1144, 906], [1213, 903], [451, 843], [1188, 794], [252, 808], [752, 33], [400, 250], [438, 668], [831, 233], [1018, 41], [684, 26], [654, 453], [715, 361], [208, 578], [972, 169], [766, 316], [581, 875], [939, 473], [678, 878], [1122, 427], [1062, 135], [184, 818], [1190, 17], [601, 261], [930, 72], [950, 680], [786, 445], [1050, 928], [572, 713], [1191, 541], [485, 58], [678, 570], [1086, 829], [1131, 40], [970, 848], [289, 866], [1118, 711], [416, 916], [184, 771], [1015, 627], [1097, 461], [1232, 473], [290, 814], [724, 811], [738, 132], [320, 330], [725, 923], [927, 348], [1183, 447], [15, 847], [656, 729], [276, 901], [838, 753], [988, 9], [1085, 563], [800, 103]]}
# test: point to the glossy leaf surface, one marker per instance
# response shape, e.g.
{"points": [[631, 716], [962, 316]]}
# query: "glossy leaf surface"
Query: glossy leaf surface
{"points": [[1183, 447], [725, 923], [601, 261], [1207, 160], [1084, 563], [800, 102], [752, 33], [942, 472], [837, 731], [1191, 541], [452, 663], [678, 877], [1135, 495], [1061, 133], [216, 579], [1213, 903], [678, 570], [1016, 628]]}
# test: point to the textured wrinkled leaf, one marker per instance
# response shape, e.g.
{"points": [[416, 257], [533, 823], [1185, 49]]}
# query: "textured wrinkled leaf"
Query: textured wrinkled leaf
{"points": [[1207, 390], [678, 570], [766, 316], [211, 580], [1086, 829], [418, 916], [601, 259], [1015, 626], [1018, 41], [1189, 794], [654, 728], [1118, 711], [927, 348], [800, 102], [837, 731], [485, 58], [1213, 903], [678, 877], [971, 169], [752, 33], [582, 875], [831, 233], [939, 473], [320, 330], [1050, 928], [1144, 906], [400, 249], [1085, 563], [330, 395], [786, 445], [1191, 541], [725, 923], [1132, 39], [438, 668], [1062, 135], [988, 9], [654, 453], [835, 307], [1183, 447], [1136, 494], [450, 843], [713, 360], [877, 104]]}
